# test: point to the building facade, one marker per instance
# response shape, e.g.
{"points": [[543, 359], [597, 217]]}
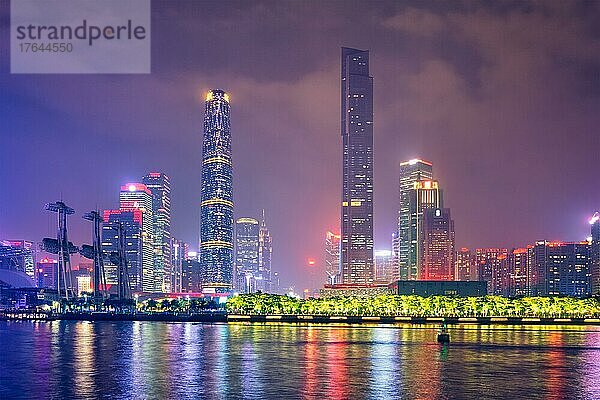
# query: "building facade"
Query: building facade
{"points": [[563, 268], [488, 260], [385, 271], [465, 269], [332, 258], [179, 253], [411, 171], [216, 207], [136, 197], [159, 185], [424, 195], [46, 273], [511, 279], [437, 261], [357, 168], [191, 277], [18, 255], [133, 223], [246, 254]]}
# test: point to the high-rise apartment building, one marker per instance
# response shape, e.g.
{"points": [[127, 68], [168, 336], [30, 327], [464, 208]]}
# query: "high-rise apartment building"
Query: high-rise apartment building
{"points": [[246, 254], [332, 258], [411, 171], [216, 206], [511, 278], [437, 260], [563, 268], [159, 185], [357, 168], [137, 197], [488, 260]]}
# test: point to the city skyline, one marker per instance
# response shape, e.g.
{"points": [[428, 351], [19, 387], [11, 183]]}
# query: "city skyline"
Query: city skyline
{"points": [[479, 184]]}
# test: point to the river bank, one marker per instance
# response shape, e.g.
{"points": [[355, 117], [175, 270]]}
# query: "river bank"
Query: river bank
{"points": [[219, 317]]}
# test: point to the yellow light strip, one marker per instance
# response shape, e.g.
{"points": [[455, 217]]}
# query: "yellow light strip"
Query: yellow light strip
{"points": [[335, 317], [216, 201], [371, 318], [273, 316], [217, 160], [216, 243]]}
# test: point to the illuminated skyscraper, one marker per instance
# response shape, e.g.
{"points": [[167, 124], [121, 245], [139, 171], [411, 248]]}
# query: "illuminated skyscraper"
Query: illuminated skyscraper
{"points": [[246, 254], [357, 167], [135, 251], [437, 261], [265, 253], [137, 196], [160, 187], [422, 196], [216, 207], [332, 257], [595, 254], [411, 171]]}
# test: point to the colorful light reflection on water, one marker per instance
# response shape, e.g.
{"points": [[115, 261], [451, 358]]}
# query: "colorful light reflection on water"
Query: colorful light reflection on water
{"points": [[145, 360]]}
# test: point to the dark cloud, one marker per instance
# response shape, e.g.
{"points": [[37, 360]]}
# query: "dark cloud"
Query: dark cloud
{"points": [[503, 97]]}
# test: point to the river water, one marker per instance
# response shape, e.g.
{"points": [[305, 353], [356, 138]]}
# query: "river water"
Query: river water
{"points": [[160, 360]]}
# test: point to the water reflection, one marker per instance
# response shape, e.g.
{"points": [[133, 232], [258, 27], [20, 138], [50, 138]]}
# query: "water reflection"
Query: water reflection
{"points": [[145, 360]]}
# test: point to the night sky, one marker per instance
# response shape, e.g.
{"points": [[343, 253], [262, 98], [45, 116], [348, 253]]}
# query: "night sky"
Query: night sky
{"points": [[503, 98]]}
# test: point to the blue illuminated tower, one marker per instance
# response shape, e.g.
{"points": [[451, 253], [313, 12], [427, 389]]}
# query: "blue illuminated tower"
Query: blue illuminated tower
{"points": [[216, 207]]}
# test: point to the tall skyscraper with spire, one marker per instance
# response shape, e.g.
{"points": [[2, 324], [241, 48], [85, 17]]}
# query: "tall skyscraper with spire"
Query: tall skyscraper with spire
{"points": [[159, 185], [265, 252], [216, 207], [357, 167]]}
